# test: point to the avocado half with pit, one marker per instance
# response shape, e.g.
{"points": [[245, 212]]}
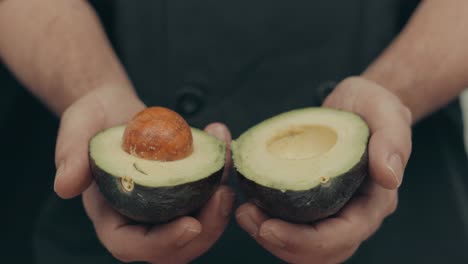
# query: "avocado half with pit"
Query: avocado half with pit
{"points": [[155, 191], [303, 165]]}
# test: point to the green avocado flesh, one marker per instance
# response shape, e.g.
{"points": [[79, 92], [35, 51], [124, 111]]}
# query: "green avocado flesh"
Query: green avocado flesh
{"points": [[303, 165], [156, 191]]}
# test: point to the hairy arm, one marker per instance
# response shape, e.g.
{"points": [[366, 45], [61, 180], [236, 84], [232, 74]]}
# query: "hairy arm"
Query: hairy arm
{"points": [[427, 64], [59, 51], [424, 68]]}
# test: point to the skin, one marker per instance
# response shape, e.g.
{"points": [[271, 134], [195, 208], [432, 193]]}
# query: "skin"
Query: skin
{"points": [[422, 70], [335, 239], [82, 83], [179, 241]]}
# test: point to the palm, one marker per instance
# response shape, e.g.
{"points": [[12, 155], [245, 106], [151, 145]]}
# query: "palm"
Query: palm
{"points": [[176, 242], [335, 239]]}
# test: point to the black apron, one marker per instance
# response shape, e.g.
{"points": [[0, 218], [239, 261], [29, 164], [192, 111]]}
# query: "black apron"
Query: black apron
{"points": [[240, 62]]}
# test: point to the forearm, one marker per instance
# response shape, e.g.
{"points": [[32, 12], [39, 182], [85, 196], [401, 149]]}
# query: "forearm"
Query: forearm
{"points": [[58, 50], [427, 64]]}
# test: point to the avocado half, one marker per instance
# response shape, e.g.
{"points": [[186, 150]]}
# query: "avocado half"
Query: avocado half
{"points": [[303, 165], [156, 191]]}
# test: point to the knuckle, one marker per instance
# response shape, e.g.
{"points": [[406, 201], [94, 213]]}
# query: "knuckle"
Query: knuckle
{"points": [[373, 226], [347, 83], [346, 254], [66, 113], [69, 113], [117, 251], [406, 113], [60, 146], [338, 255], [325, 247], [120, 255], [393, 204], [407, 136], [355, 241], [372, 229], [408, 150], [349, 245], [346, 95]]}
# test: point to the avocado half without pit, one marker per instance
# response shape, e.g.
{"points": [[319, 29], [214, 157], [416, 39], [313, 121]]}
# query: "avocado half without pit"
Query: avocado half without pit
{"points": [[156, 168], [303, 165]]}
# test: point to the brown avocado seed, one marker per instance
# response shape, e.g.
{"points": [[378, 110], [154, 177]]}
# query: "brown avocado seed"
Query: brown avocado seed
{"points": [[158, 133]]}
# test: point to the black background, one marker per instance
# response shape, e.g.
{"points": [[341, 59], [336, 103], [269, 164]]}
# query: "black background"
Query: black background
{"points": [[27, 141]]}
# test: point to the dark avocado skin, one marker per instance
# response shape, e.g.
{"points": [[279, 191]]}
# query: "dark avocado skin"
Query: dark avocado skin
{"points": [[158, 204], [309, 205]]}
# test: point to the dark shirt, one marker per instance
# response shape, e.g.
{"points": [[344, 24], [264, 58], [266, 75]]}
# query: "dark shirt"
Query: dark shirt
{"points": [[240, 62]]}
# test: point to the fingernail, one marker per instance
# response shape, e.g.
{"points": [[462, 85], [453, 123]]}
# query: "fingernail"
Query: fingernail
{"points": [[188, 235], [218, 131], [227, 200], [271, 238], [247, 223], [395, 165]]}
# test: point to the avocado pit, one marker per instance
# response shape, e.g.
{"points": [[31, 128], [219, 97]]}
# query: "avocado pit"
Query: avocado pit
{"points": [[157, 167], [158, 133]]}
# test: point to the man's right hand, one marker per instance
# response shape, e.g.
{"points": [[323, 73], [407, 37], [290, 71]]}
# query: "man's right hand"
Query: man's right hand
{"points": [[179, 241]]}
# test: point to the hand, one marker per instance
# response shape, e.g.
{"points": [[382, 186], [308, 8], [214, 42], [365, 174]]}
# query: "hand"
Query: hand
{"points": [[335, 239], [176, 242]]}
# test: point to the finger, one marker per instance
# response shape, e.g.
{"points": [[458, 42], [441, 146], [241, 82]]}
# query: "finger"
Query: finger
{"points": [[250, 217], [389, 154], [390, 124], [90, 114], [78, 124], [137, 242], [221, 131], [214, 218], [327, 238], [390, 143]]}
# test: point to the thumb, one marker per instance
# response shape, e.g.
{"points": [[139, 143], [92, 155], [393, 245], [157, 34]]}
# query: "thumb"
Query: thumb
{"points": [[79, 123], [390, 124], [221, 131]]}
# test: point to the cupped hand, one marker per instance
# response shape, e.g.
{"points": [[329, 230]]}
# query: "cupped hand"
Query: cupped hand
{"points": [[178, 241], [335, 239]]}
